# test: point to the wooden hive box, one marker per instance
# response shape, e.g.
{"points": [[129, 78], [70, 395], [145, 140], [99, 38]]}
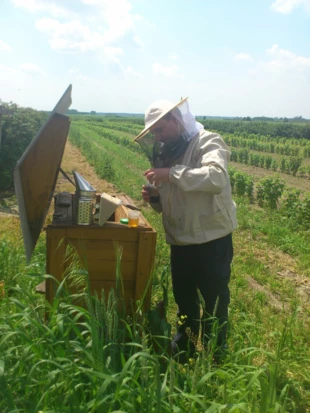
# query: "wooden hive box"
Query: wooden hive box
{"points": [[96, 245], [35, 177]]}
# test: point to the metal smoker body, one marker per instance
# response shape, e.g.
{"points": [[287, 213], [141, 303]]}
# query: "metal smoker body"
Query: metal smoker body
{"points": [[84, 200]]}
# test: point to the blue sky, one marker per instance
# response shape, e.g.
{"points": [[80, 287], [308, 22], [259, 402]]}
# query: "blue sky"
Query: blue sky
{"points": [[232, 58]]}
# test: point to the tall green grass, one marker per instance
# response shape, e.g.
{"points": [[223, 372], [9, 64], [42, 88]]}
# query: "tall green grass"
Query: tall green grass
{"points": [[88, 356]]}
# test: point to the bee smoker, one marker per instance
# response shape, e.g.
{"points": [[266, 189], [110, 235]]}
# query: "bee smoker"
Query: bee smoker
{"points": [[84, 201]]}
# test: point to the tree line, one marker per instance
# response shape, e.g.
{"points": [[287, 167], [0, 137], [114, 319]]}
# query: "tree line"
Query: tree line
{"points": [[273, 129]]}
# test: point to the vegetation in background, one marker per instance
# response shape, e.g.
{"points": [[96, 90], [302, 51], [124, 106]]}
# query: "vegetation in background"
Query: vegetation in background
{"points": [[93, 358], [274, 129], [18, 130]]}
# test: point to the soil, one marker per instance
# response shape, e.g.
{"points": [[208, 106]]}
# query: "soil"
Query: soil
{"points": [[73, 160]]}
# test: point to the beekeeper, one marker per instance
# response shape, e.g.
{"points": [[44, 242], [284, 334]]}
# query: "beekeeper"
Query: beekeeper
{"points": [[193, 193]]}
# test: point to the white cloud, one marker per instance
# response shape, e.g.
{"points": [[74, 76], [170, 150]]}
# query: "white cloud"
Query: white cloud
{"points": [[287, 6], [131, 72], [108, 23], [116, 15], [7, 70], [243, 56], [113, 53], [167, 71], [284, 60], [41, 6], [21, 70], [138, 41], [173, 56], [75, 72], [100, 26], [253, 72], [32, 69], [4, 47], [142, 19], [71, 36]]}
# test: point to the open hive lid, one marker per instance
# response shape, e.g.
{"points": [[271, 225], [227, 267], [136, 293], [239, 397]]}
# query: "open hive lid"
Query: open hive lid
{"points": [[36, 173]]}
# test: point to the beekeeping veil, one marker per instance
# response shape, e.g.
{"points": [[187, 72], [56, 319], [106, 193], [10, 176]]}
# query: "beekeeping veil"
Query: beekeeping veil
{"points": [[160, 154]]}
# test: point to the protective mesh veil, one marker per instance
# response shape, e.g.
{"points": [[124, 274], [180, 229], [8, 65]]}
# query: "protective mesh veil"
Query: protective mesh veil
{"points": [[163, 155]]}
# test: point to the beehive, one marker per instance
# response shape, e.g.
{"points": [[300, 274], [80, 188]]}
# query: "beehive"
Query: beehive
{"points": [[96, 245]]}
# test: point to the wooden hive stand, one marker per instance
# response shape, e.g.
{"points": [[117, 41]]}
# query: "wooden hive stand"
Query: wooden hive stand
{"points": [[95, 246]]}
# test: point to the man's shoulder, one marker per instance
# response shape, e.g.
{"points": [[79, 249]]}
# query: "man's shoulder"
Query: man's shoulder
{"points": [[206, 139], [208, 134], [205, 135]]}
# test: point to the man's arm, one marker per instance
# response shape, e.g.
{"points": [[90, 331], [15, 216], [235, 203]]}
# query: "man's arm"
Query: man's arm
{"points": [[212, 175]]}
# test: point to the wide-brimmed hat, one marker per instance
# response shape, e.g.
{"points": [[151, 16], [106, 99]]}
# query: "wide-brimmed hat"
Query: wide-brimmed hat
{"points": [[155, 112]]}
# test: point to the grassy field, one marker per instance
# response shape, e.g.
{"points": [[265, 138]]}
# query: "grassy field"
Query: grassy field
{"points": [[96, 360]]}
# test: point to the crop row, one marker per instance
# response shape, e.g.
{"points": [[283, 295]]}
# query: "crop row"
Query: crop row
{"points": [[111, 159], [115, 126], [288, 147], [115, 163], [276, 130], [279, 132], [283, 146], [291, 165], [269, 147], [277, 140], [272, 192], [115, 137]]}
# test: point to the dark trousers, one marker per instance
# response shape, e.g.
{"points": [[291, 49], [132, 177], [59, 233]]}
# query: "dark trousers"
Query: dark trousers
{"points": [[204, 267]]}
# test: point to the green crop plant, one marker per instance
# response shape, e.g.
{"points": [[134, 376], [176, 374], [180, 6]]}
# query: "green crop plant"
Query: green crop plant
{"points": [[269, 191]]}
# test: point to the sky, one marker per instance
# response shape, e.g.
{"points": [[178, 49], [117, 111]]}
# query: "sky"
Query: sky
{"points": [[231, 58]]}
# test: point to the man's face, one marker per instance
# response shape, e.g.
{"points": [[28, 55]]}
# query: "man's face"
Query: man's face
{"points": [[166, 130]]}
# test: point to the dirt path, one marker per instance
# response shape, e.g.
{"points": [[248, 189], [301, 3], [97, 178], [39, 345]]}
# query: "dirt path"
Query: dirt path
{"points": [[74, 160]]}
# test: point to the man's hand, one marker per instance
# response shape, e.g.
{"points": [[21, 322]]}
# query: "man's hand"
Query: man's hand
{"points": [[157, 175], [147, 194]]}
